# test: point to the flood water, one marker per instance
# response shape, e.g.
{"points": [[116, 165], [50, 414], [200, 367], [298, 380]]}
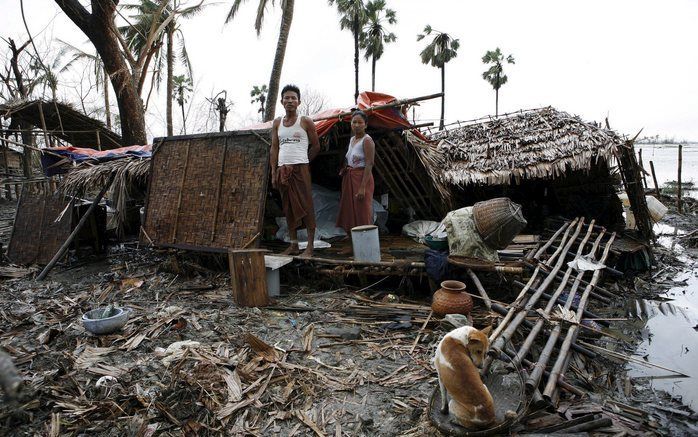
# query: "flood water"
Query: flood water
{"points": [[666, 158], [671, 330]]}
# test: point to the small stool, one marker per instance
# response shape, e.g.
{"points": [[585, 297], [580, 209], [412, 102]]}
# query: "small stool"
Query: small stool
{"points": [[273, 263]]}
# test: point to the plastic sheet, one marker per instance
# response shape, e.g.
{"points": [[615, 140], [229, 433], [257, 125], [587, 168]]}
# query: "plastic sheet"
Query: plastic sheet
{"points": [[419, 229], [326, 203]]}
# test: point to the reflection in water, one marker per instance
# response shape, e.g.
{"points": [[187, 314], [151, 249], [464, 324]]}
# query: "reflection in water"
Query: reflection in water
{"points": [[670, 338]]}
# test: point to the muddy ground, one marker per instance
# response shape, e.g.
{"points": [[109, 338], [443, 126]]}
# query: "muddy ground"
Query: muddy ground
{"points": [[327, 359]]}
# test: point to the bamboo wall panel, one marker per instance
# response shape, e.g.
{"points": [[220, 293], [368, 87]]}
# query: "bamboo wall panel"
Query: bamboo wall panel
{"points": [[36, 236], [207, 192]]}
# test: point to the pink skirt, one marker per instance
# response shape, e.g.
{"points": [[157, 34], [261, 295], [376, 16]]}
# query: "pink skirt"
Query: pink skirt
{"points": [[354, 212]]}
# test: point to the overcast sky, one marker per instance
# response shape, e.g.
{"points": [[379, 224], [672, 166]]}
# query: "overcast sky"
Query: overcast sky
{"points": [[634, 61]]}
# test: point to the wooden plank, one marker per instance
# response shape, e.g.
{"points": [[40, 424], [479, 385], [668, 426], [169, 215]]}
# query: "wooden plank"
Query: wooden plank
{"points": [[248, 278]]}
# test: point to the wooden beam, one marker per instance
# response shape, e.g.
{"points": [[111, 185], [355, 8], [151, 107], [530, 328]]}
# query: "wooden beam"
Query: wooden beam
{"points": [[379, 107]]}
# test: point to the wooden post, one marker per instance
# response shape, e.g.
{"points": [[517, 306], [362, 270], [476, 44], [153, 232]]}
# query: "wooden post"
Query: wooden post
{"points": [[642, 167], [248, 277], [678, 183], [630, 169], [43, 123], [75, 232], [654, 178], [99, 141], [5, 148]]}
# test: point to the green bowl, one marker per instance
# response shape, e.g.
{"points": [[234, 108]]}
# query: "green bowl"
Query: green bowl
{"points": [[436, 243]]}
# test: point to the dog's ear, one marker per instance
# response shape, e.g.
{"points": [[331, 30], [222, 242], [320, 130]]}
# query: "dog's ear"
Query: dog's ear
{"points": [[487, 331]]}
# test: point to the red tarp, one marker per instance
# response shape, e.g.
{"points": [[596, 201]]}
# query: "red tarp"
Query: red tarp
{"points": [[386, 118]]}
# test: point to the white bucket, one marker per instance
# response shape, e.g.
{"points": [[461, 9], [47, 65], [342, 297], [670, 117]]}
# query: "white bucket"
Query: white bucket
{"points": [[273, 282], [364, 240]]}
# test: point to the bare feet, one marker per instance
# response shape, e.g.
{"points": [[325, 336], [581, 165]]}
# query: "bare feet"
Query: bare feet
{"points": [[307, 253], [291, 250]]}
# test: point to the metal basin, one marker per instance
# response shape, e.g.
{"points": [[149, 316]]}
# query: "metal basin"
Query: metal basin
{"points": [[92, 322], [507, 389]]}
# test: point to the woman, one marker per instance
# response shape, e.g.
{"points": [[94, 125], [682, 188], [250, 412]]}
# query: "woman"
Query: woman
{"points": [[355, 206]]}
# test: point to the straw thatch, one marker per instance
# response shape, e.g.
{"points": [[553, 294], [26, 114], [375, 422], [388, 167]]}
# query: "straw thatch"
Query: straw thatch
{"points": [[64, 122], [90, 176], [433, 161], [534, 144]]}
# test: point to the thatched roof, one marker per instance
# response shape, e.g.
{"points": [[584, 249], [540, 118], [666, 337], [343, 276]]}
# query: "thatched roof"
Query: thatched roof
{"points": [[533, 144], [63, 122]]}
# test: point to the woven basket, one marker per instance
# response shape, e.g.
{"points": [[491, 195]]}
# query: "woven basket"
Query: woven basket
{"points": [[498, 221]]}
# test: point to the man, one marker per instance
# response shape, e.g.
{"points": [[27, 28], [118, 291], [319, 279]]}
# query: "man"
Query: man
{"points": [[294, 143]]}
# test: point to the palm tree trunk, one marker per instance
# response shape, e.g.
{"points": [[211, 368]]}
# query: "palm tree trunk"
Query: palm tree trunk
{"points": [[275, 79], [496, 103], [373, 73], [443, 97], [170, 78], [356, 57], [184, 120], [107, 111]]}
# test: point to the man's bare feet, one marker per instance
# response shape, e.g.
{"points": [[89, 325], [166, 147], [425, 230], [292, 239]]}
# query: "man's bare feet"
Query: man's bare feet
{"points": [[307, 253], [291, 250]]}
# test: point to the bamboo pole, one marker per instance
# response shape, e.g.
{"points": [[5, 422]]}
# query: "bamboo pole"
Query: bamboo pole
{"points": [[601, 290], [678, 183], [523, 350], [537, 371], [587, 314], [388, 105], [522, 294], [480, 289], [521, 313], [528, 325], [643, 172], [571, 333], [654, 178], [75, 232], [339, 262], [561, 381], [43, 124]]}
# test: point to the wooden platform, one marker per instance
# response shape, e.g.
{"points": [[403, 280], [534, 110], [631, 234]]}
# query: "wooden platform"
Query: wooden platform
{"points": [[400, 255]]}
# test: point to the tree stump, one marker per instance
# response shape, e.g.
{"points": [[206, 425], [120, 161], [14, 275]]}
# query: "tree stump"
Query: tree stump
{"points": [[248, 278]]}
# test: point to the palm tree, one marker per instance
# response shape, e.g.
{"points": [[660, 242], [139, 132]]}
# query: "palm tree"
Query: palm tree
{"points": [[286, 19], [100, 73], [147, 12], [182, 85], [375, 35], [438, 53], [353, 17], [259, 95], [495, 74]]}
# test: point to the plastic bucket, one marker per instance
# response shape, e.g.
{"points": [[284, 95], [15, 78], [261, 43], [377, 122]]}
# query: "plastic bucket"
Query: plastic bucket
{"points": [[657, 208], [273, 282], [364, 240]]}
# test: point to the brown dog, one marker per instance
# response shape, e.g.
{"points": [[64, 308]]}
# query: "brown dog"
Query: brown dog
{"points": [[457, 358]]}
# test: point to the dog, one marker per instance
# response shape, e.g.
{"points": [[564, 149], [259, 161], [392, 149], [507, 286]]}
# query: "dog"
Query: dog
{"points": [[458, 356]]}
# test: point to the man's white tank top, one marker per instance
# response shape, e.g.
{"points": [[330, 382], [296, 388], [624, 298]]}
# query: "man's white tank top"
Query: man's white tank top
{"points": [[293, 144]]}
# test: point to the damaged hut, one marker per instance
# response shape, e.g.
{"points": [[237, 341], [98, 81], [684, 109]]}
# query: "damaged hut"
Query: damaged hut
{"points": [[547, 160]]}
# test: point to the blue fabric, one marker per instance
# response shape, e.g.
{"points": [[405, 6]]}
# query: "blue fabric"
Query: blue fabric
{"points": [[436, 262]]}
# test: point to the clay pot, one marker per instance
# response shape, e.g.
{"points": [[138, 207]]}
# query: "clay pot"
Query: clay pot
{"points": [[451, 298]]}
